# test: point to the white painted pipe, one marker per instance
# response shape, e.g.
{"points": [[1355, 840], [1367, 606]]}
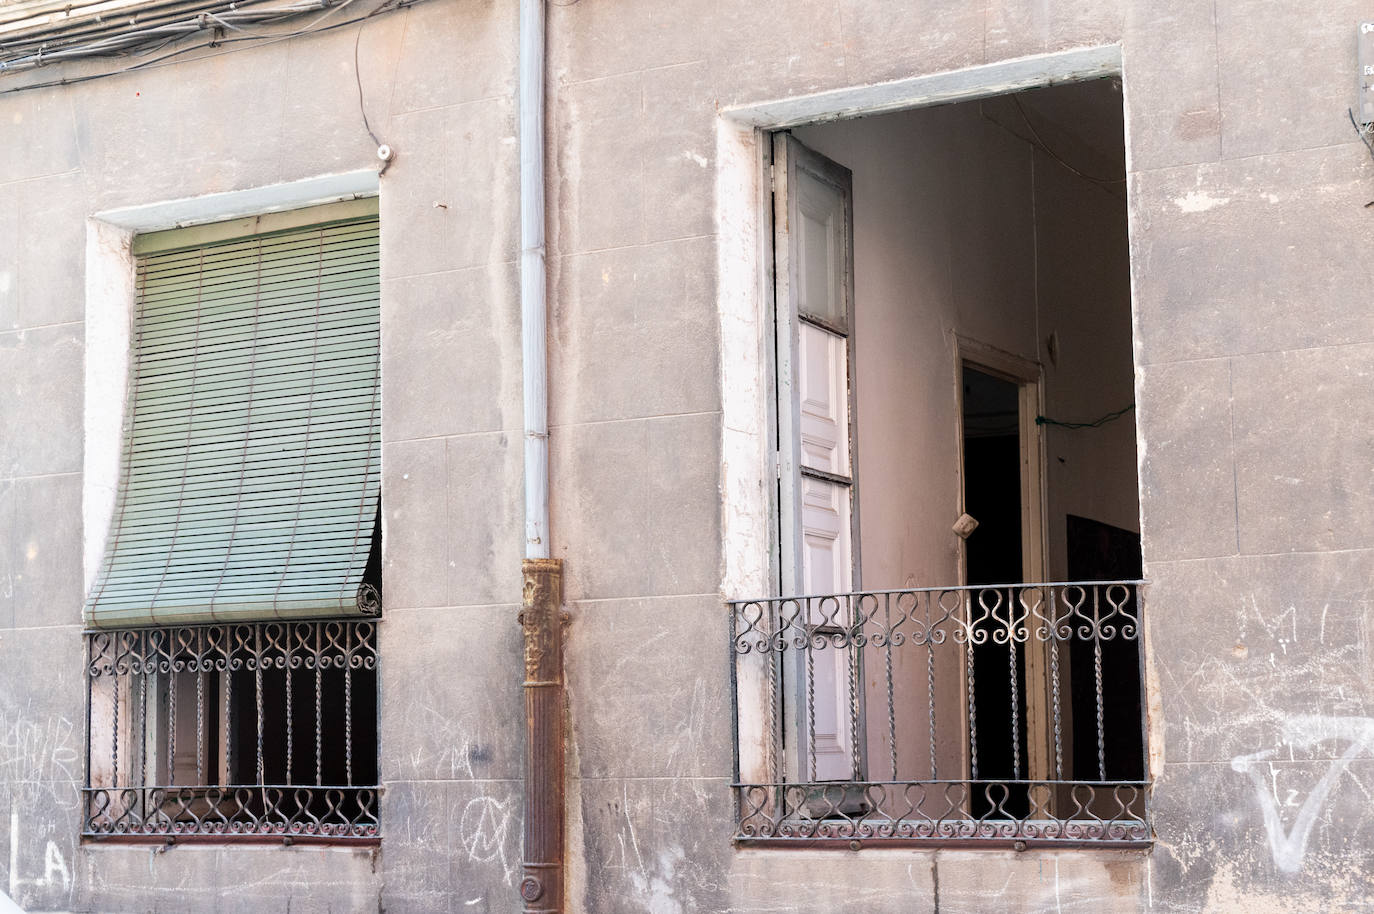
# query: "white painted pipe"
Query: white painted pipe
{"points": [[533, 280]]}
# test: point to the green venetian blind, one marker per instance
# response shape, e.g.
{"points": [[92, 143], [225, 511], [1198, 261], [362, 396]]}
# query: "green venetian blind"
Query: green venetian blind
{"points": [[251, 462]]}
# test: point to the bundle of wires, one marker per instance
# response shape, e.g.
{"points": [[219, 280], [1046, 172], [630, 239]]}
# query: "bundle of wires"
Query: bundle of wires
{"points": [[154, 32], [1096, 423]]}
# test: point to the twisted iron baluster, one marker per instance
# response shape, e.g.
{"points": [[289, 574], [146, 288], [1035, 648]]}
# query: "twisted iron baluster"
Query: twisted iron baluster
{"points": [[1054, 685], [855, 751], [257, 686], [143, 727], [1015, 691], [930, 686], [226, 682], [114, 720], [200, 725], [141, 798], [773, 711], [290, 717], [1097, 680], [967, 604], [319, 666], [348, 706], [891, 703], [853, 651], [172, 725], [91, 676], [810, 693]]}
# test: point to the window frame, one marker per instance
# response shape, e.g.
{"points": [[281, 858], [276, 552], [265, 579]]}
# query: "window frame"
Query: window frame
{"points": [[115, 241]]}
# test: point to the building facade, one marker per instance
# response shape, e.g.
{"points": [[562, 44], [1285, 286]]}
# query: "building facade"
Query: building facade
{"points": [[828, 283]]}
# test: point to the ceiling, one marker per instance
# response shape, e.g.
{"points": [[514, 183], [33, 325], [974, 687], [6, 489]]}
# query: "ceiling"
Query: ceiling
{"points": [[1074, 120]]}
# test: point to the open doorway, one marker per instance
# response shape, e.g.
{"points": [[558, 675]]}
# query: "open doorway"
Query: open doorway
{"points": [[996, 461], [952, 309], [992, 476]]}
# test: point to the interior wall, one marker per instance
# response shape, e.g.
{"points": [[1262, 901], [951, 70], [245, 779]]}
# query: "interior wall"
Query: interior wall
{"points": [[1084, 300], [919, 184]]}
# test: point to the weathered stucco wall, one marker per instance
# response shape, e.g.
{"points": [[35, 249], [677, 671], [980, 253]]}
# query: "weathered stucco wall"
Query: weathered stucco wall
{"points": [[1254, 347], [1228, 100], [438, 82]]}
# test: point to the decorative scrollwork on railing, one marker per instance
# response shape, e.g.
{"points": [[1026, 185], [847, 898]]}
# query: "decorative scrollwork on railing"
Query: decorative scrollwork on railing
{"points": [[850, 709], [205, 730], [938, 811]]}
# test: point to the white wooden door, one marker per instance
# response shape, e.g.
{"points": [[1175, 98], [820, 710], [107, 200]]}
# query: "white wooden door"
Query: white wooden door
{"points": [[813, 251]]}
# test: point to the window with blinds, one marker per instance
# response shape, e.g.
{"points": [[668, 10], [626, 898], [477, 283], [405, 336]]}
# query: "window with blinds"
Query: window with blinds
{"points": [[251, 464]]}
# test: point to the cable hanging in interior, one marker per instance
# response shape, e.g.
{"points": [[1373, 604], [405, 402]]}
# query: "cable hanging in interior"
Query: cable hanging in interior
{"points": [[1045, 148], [1096, 423]]}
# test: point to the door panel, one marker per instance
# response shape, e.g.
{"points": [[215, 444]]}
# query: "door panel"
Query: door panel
{"points": [[823, 373], [826, 564], [820, 239], [814, 289]]}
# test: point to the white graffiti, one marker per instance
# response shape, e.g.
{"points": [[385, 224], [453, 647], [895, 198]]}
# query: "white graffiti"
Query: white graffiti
{"points": [[655, 886], [39, 757], [56, 872], [53, 867], [484, 830], [1288, 847]]}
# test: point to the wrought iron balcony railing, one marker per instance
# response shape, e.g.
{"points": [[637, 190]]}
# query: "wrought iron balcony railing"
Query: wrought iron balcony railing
{"points": [[263, 730], [1012, 713]]}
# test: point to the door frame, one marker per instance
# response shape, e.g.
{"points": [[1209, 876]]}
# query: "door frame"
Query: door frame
{"points": [[744, 258], [1028, 376]]}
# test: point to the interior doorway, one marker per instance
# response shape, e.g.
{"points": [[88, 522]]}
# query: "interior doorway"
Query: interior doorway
{"points": [[991, 419], [994, 496]]}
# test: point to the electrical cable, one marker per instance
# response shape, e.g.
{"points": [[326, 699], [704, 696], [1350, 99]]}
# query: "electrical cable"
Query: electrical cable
{"points": [[217, 42], [119, 41], [1096, 423], [384, 152], [357, 76], [85, 30], [1363, 132]]}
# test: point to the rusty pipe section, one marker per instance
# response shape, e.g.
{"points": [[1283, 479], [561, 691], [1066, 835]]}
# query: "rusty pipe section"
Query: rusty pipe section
{"points": [[542, 619]]}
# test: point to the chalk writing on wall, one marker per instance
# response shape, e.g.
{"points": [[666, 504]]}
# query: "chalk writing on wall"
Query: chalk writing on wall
{"points": [[484, 830], [39, 758]]}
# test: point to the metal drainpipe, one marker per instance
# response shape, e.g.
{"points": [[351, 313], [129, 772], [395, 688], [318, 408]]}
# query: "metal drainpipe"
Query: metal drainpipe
{"points": [[541, 616]]}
